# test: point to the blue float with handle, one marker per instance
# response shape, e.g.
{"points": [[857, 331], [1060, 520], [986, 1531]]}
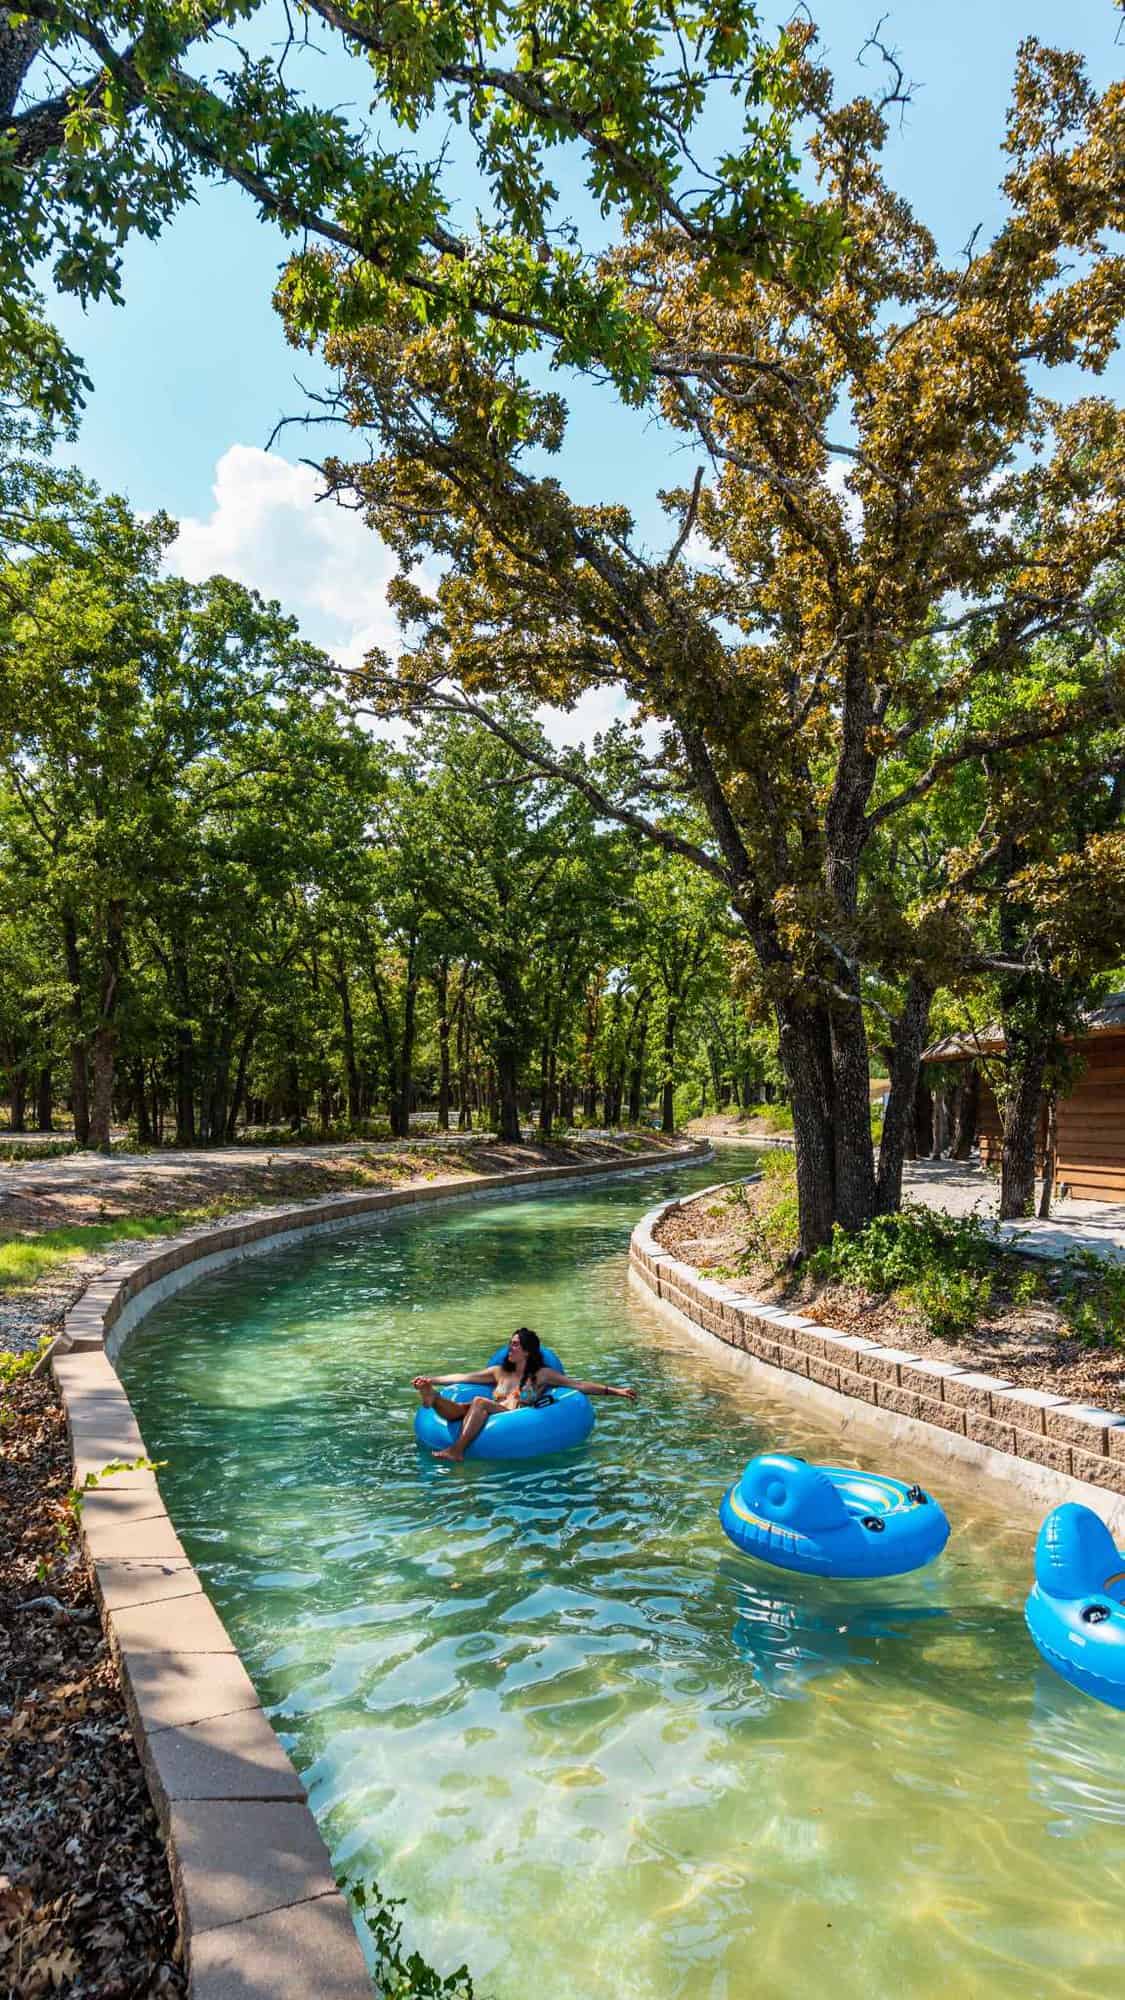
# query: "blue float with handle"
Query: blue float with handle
{"points": [[824, 1520], [562, 1419], [1076, 1610]]}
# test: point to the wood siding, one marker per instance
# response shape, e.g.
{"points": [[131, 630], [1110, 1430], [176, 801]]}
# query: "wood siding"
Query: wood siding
{"points": [[1091, 1162]]}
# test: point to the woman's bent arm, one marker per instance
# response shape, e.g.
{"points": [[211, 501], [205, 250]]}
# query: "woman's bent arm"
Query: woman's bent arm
{"points": [[442, 1381]]}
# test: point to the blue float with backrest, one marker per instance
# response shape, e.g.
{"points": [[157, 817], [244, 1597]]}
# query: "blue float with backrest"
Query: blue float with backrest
{"points": [[826, 1520]]}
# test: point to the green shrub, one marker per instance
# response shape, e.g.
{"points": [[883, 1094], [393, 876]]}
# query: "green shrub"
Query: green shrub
{"points": [[950, 1303], [941, 1265], [775, 1117], [1092, 1299], [35, 1149], [1025, 1288]]}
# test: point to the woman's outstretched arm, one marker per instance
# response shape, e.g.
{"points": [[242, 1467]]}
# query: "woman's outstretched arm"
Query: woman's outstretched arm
{"points": [[554, 1380]]}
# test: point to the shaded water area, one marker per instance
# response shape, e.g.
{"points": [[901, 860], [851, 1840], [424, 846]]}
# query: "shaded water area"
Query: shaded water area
{"points": [[598, 1752]]}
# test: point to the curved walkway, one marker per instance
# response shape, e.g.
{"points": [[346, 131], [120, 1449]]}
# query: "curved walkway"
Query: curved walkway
{"points": [[260, 1913]]}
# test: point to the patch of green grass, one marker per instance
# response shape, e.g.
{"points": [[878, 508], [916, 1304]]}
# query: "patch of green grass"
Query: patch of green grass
{"points": [[775, 1117], [1093, 1299], [14, 1153], [26, 1259]]}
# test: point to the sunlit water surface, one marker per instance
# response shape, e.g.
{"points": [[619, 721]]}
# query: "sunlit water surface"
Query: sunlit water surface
{"points": [[599, 1753]]}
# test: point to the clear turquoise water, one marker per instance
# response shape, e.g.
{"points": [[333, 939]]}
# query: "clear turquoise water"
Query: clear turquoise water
{"points": [[598, 1752]]}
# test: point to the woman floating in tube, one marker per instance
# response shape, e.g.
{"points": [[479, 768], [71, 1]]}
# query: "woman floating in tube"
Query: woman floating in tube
{"points": [[520, 1380]]}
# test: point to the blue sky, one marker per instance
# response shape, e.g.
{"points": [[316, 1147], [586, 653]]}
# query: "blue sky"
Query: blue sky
{"points": [[191, 375]]}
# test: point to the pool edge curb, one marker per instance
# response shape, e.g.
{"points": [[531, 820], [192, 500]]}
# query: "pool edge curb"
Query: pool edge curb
{"points": [[259, 1909], [1049, 1447]]}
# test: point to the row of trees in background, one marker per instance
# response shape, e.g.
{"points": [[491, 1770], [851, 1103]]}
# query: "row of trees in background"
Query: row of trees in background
{"points": [[224, 900], [884, 641]]}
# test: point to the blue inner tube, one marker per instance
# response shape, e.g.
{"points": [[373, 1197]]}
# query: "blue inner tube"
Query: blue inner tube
{"points": [[825, 1520], [1075, 1612], [558, 1425]]}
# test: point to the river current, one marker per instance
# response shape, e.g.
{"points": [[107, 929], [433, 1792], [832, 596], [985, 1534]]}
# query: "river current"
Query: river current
{"points": [[601, 1755]]}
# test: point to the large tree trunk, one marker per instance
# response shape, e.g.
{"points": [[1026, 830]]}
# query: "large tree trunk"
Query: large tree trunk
{"points": [[804, 1046], [44, 1119], [105, 1034], [1021, 1130], [509, 1059], [908, 1039], [140, 1104], [18, 50], [856, 1187], [79, 1064]]}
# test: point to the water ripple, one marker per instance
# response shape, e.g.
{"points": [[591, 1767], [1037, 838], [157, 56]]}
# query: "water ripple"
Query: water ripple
{"points": [[543, 1696]]}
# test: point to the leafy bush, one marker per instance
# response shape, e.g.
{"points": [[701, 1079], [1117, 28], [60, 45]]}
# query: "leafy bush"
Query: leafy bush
{"points": [[399, 1976], [1092, 1299], [35, 1149], [950, 1303], [12, 1366], [941, 1265], [1025, 1288]]}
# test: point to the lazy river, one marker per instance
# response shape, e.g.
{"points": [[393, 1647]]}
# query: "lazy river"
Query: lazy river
{"points": [[597, 1751]]}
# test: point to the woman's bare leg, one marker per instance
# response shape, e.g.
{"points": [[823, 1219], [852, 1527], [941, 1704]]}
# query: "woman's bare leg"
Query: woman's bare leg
{"points": [[472, 1417]]}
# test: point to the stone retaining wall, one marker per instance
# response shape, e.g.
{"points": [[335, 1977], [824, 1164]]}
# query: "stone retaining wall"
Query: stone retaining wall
{"points": [[261, 1915], [1055, 1449]]}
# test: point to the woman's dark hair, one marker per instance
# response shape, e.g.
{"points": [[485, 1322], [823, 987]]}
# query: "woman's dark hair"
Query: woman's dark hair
{"points": [[533, 1349]]}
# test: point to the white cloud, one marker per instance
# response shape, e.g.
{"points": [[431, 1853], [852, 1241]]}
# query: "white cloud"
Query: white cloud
{"points": [[268, 530], [593, 713]]}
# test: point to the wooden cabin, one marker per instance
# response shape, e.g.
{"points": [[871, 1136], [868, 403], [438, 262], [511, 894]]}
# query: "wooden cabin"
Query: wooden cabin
{"points": [[1090, 1161]]}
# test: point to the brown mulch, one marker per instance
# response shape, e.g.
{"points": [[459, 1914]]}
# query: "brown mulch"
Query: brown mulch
{"points": [[1025, 1344], [85, 1897]]}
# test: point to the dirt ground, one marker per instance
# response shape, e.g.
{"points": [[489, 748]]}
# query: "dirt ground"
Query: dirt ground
{"points": [[85, 1896], [1022, 1344], [733, 1125]]}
